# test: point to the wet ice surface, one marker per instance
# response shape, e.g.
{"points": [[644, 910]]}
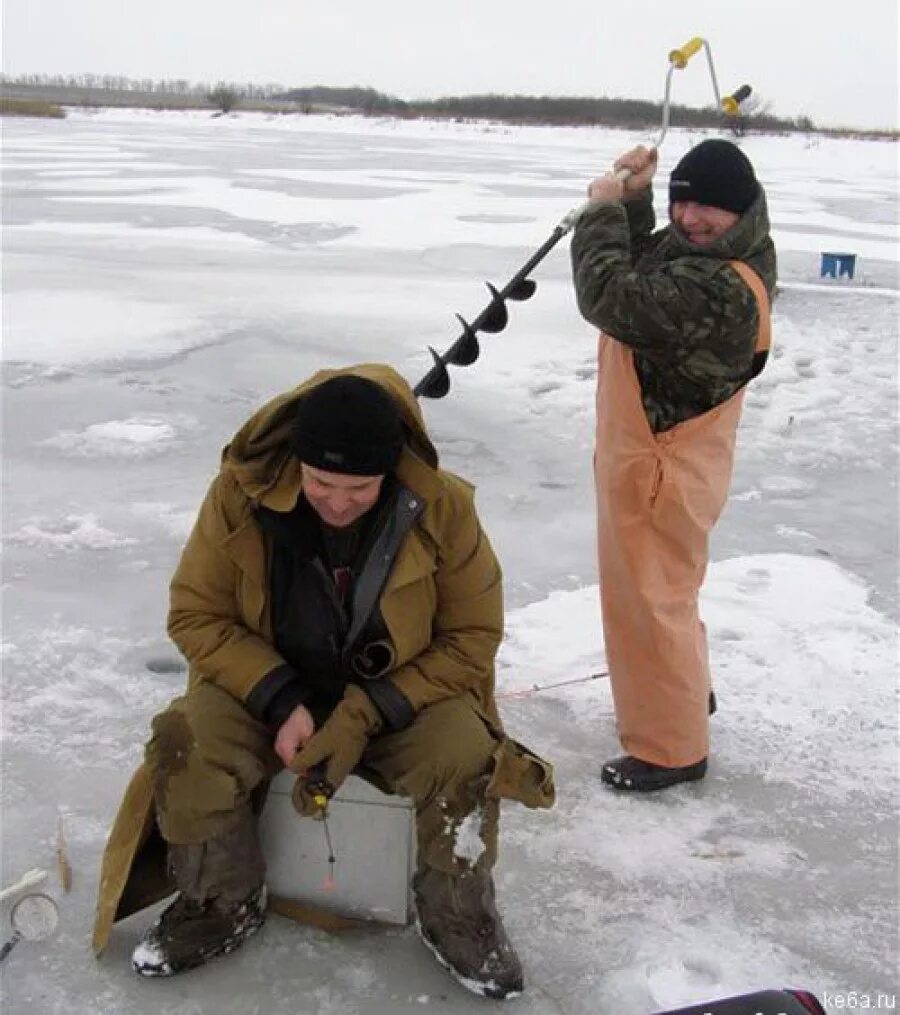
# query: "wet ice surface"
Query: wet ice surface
{"points": [[165, 274]]}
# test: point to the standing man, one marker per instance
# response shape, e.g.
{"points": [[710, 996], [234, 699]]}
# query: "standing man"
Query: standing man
{"points": [[340, 608], [684, 320]]}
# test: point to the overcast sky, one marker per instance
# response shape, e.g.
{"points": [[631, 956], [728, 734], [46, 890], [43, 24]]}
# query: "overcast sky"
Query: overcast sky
{"points": [[833, 60]]}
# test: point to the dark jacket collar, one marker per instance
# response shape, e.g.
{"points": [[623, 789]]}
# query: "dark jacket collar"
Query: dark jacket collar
{"points": [[747, 240]]}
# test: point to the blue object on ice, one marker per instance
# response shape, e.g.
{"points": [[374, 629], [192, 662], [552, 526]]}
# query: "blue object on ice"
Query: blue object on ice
{"points": [[837, 265]]}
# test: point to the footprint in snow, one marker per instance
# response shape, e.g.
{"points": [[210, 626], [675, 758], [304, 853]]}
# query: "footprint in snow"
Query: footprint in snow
{"points": [[757, 579], [545, 388], [804, 366], [166, 664], [728, 634], [683, 980]]}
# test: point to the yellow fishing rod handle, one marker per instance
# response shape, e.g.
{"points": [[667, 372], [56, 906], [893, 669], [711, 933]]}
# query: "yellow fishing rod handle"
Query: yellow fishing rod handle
{"points": [[731, 104], [679, 57]]}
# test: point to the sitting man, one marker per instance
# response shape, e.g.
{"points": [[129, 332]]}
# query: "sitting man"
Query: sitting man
{"points": [[340, 609]]}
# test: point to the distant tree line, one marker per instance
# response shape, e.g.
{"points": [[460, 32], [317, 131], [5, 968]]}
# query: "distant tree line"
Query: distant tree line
{"points": [[114, 89], [533, 109], [161, 86], [365, 100]]}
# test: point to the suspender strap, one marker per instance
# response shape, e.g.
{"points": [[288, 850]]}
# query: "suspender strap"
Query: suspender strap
{"points": [[764, 334]]}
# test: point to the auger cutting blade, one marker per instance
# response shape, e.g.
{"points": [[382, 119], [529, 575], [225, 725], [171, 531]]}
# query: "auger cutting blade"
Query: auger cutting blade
{"points": [[436, 383], [494, 316], [465, 349], [524, 289]]}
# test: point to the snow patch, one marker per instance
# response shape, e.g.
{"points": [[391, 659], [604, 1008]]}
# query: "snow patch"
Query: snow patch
{"points": [[61, 327], [795, 650], [175, 521], [148, 959], [134, 437], [75, 532], [468, 844]]}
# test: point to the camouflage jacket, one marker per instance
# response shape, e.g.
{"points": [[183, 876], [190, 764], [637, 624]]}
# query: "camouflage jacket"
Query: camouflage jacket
{"points": [[688, 317]]}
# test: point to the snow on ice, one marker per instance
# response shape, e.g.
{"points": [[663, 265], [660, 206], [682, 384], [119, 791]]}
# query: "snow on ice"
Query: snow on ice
{"points": [[167, 273]]}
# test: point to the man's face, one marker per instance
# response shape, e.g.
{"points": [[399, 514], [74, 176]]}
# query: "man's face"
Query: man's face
{"points": [[701, 223], [337, 498]]}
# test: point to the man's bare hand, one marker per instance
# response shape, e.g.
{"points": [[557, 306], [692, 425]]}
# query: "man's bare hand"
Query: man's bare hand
{"points": [[606, 188], [294, 733], [641, 163]]}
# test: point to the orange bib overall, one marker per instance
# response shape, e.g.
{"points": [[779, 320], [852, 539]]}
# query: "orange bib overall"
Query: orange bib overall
{"points": [[658, 498]]}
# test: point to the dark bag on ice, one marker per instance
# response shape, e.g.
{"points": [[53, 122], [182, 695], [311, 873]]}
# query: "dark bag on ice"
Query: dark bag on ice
{"points": [[764, 1002]]}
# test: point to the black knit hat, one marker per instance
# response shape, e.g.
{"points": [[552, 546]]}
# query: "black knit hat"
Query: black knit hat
{"points": [[349, 425], [716, 173]]}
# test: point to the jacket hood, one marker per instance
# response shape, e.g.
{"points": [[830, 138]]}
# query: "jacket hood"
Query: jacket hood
{"points": [[258, 456], [747, 240]]}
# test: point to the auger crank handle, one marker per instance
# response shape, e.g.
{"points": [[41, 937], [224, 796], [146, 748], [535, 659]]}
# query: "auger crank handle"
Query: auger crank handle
{"points": [[679, 57], [464, 351], [731, 104]]}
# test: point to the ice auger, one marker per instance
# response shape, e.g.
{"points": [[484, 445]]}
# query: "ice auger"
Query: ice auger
{"points": [[494, 317]]}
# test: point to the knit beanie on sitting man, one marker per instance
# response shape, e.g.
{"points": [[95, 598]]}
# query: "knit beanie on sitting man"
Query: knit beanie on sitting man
{"points": [[350, 425], [716, 173]]}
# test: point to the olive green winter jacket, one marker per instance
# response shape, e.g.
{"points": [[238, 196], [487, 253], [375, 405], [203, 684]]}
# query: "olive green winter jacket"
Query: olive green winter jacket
{"points": [[441, 603], [689, 318]]}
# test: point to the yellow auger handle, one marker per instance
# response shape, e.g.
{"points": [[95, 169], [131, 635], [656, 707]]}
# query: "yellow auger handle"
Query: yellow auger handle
{"points": [[679, 57], [731, 104]]}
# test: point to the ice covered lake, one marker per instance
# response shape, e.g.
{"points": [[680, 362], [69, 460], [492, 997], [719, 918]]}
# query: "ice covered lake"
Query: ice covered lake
{"points": [[164, 274]]}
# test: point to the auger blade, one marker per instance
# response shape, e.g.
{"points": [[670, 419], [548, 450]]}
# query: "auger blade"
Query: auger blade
{"points": [[436, 383], [524, 289], [465, 349], [494, 317]]}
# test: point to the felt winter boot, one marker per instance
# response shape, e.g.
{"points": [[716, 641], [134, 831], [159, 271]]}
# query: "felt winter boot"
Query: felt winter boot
{"points": [[458, 921], [190, 932], [221, 902]]}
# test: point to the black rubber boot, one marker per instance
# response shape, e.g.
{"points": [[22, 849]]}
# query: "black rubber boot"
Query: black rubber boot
{"points": [[633, 775]]}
